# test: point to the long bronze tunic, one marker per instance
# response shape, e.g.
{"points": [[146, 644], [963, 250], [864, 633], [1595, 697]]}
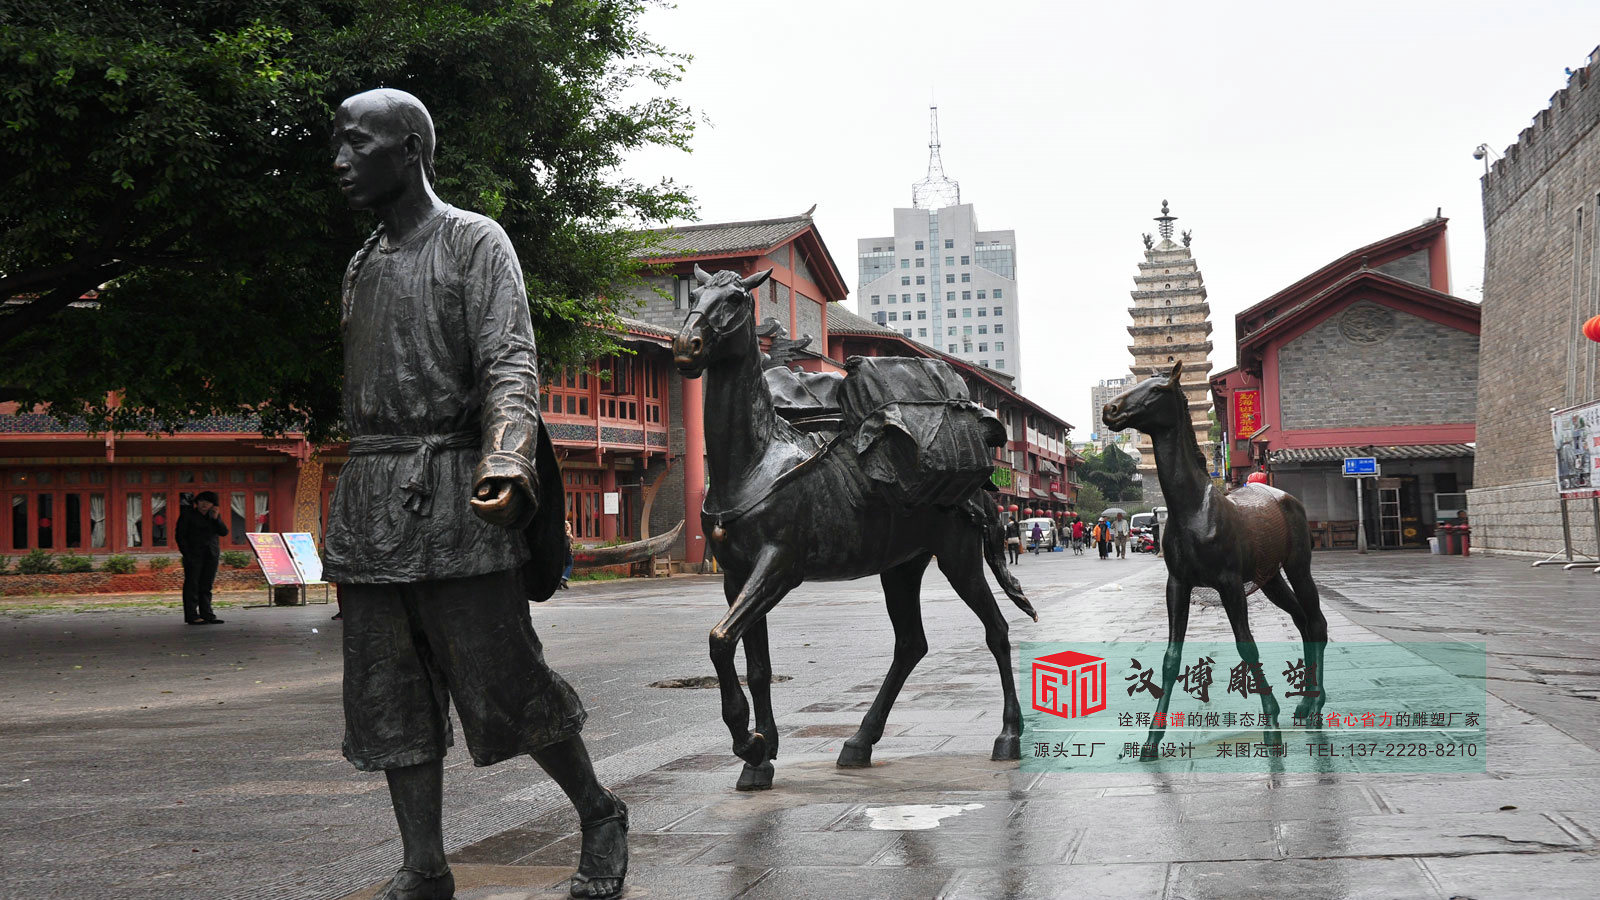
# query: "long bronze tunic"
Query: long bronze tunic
{"points": [[441, 391]]}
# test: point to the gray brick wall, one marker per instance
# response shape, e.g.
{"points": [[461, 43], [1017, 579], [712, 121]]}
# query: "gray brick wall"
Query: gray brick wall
{"points": [[808, 314], [1524, 519], [1534, 287], [1419, 372], [1413, 268], [655, 309], [774, 299]]}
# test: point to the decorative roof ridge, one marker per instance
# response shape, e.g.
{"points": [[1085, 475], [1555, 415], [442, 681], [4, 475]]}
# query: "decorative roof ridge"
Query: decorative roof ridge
{"points": [[1430, 228]]}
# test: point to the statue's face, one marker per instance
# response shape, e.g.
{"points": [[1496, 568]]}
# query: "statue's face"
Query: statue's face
{"points": [[370, 153]]}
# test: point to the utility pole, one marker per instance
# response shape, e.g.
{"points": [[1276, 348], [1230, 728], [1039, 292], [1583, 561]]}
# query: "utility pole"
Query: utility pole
{"points": [[1361, 519]]}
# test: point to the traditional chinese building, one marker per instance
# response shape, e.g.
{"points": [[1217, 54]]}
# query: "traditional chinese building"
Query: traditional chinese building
{"points": [[1369, 355], [1171, 324]]}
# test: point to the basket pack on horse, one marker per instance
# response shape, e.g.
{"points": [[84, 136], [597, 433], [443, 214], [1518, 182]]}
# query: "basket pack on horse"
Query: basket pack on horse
{"points": [[872, 473]]}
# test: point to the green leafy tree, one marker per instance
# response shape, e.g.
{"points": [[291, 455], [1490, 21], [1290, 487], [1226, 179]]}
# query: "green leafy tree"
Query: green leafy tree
{"points": [[1112, 473], [174, 155]]}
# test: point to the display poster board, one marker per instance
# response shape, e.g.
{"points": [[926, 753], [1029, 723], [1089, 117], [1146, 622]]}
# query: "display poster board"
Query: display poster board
{"points": [[1246, 413], [1577, 437], [303, 550], [613, 502], [273, 556]]}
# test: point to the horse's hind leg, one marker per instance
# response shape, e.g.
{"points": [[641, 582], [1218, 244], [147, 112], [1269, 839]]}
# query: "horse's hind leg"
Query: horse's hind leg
{"points": [[1314, 633], [1232, 592], [963, 565], [902, 592]]}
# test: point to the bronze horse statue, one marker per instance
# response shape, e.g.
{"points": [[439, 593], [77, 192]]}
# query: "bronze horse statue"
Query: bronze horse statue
{"points": [[1256, 535], [785, 506]]}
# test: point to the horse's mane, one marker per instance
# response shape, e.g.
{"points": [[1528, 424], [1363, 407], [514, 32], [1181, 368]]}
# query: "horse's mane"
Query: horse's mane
{"points": [[1186, 427]]}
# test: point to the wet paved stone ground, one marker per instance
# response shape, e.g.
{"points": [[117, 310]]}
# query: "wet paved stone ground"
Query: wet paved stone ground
{"points": [[231, 785]]}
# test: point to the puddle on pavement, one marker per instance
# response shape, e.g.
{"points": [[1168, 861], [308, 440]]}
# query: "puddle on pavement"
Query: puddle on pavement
{"points": [[916, 817]]}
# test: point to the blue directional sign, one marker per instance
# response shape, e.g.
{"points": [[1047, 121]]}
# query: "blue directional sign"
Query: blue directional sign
{"points": [[1358, 466]]}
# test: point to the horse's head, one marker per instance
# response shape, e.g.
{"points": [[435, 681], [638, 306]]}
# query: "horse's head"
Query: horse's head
{"points": [[1153, 405], [722, 309]]}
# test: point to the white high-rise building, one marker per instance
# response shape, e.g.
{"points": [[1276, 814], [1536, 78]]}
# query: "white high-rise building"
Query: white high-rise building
{"points": [[941, 281]]}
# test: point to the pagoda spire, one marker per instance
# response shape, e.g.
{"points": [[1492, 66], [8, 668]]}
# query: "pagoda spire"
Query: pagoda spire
{"points": [[1164, 221]]}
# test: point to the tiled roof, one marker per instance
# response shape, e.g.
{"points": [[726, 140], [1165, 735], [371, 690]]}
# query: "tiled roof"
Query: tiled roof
{"points": [[638, 326], [843, 321], [1410, 451], [724, 237]]}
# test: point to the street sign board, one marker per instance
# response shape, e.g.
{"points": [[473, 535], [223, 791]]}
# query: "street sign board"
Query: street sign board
{"points": [[1360, 466]]}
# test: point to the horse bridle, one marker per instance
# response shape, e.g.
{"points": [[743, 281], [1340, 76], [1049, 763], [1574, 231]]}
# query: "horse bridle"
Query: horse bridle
{"points": [[746, 313]]}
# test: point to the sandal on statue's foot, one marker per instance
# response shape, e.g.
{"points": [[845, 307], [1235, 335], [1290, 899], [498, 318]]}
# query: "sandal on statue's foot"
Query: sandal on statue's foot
{"points": [[411, 884], [603, 863]]}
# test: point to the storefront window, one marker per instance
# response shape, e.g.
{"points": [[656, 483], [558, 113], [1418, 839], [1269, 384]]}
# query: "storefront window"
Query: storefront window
{"points": [[72, 524], [46, 518], [237, 524], [97, 521], [135, 520], [158, 520], [19, 520]]}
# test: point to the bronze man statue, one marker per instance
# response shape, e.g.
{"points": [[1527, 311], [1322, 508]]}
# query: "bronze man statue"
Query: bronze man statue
{"points": [[427, 531]]}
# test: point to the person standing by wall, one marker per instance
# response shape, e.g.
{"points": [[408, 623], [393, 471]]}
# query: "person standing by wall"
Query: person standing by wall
{"points": [[199, 528], [566, 572]]}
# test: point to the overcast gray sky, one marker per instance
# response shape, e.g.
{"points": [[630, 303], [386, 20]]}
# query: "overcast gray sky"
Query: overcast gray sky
{"points": [[1284, 135]]}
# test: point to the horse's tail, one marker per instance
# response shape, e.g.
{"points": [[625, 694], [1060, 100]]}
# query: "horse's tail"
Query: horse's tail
{"points": [[994, 552]]}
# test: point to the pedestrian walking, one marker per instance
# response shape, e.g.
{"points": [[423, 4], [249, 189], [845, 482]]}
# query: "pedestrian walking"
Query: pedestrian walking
{"points": [[1119, 533], [1035, 537], [1155, 535], [199, 529], [1102, 537], [1014, 541], [1077, 536]]}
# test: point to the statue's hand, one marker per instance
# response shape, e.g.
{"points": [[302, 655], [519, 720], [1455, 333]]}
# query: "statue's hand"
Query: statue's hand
{"points": [[498, 502]]}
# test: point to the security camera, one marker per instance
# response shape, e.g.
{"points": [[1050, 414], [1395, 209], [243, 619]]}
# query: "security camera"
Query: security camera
{"points": [[1479, 153]]}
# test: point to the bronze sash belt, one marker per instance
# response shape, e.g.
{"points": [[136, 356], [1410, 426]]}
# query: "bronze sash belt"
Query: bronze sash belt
{"points": [[418, 476]]}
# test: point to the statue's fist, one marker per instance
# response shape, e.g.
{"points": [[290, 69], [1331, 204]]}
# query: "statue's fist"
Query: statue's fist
{"points": [[498, 502]]}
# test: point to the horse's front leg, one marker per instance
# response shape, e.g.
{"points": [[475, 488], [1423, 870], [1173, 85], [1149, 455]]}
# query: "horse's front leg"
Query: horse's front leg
{"points": [[769, 580], [758, 666], [1178, 594], [1232, 591]]}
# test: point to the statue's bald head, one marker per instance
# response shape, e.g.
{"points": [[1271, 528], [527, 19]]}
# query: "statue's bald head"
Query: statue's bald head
{"points": [[396, 113]]}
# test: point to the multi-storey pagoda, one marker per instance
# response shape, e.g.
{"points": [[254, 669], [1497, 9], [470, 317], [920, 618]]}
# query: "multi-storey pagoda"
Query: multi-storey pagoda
{"points": [[1171, 322]]}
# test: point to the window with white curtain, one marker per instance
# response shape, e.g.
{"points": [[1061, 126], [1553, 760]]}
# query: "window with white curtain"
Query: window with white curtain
{"points": [[261, 510], [97, 521], [135, 520]]}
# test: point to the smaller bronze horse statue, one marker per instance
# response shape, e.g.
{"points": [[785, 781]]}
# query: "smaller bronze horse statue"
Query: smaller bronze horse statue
{"points": [[1254, 536], [785, 506]]}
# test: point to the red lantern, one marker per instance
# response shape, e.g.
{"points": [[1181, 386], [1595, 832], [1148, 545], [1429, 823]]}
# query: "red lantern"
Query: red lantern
{"points": [[1257, 478], [159, 519], [1591, 329], [44, 522], [1013, 507]]}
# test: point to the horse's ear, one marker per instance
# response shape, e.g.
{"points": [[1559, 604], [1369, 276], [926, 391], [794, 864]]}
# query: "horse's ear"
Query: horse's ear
{"points": [[756, 280], [1176, 376], [700, 275]]}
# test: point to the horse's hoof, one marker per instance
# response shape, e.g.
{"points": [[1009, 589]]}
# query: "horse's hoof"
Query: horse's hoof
{"points": [[753, 751], [755, 778], [855, 756], [1007, 746]]}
